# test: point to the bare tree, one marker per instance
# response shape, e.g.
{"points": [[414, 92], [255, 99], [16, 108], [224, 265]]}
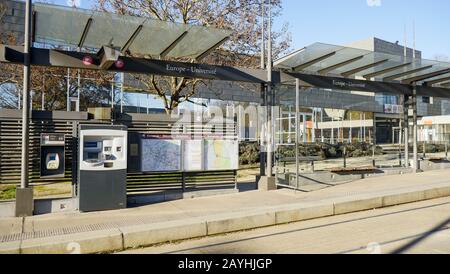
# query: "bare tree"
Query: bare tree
{"points": [[241, 16]]}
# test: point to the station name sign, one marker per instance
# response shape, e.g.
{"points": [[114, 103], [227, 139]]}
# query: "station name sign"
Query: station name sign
{"points": [[337, 83], [192, 69], [348, 84]]}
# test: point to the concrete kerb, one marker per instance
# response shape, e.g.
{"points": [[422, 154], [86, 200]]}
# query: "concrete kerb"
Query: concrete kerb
{"points": [[436, 193], [296, 213], [239, 221], [146, 235], [343, 207], [403, 198]]}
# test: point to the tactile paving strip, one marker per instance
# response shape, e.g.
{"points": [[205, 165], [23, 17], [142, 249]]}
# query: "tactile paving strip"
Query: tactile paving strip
{"points": [[73, 229]]}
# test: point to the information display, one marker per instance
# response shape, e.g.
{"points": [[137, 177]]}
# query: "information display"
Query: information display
{"points": [[159, 155], [221, 154]]}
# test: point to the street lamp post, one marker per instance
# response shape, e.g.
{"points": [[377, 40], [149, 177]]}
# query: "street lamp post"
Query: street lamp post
{"points": [[24, 194]]}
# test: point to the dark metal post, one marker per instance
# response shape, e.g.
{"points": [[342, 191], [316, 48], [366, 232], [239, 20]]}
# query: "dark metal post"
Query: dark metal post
{"points": [[297, 131], [270, 118], [373, 155], [424, 150], [406, 129], [262, 36], [345, 156], [446, 150], [262, 152], [24, 194], [416, 162]]}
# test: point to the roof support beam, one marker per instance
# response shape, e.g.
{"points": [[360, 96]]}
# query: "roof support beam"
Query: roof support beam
{"points": [[282, 59], [107, 56], [338, 65], [314, 61], [384, 71], [447, 84], [437, 81], [85, 33], [356, 70], [130, 41], [104, 60], [426, 76], [166, 51], [208, 51], [396, 76]]}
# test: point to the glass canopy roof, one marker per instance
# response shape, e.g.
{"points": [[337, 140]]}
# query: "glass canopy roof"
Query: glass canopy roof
{"points": [[93, 29], [332, 60]]}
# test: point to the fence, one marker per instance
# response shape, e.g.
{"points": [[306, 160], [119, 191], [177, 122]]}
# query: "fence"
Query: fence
{"points": [[67, 123]]}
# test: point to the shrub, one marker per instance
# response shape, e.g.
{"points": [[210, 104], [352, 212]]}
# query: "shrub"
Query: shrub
{"points": [[248, 153]]}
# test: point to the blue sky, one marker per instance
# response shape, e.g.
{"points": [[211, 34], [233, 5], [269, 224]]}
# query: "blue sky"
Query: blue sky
{"points": [[344, 21]]}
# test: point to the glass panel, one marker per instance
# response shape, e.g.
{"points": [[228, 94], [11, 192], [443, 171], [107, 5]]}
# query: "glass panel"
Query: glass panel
{"points": [[65, 25], [416, 64], [59, 24], [342, 55], [334, 144], [370, 58], [307, 54], [197, 41], [444, 77], [437, 66]]}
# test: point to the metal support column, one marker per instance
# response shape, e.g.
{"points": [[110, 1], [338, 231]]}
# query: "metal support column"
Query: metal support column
{"points": [[121, 92], [68, 90], [297, 131], [43, 93], [24, 194], [270, 118], [77, 109], [112, 96], [321, 127], [262, 153], [414, 103], [406, 129]]}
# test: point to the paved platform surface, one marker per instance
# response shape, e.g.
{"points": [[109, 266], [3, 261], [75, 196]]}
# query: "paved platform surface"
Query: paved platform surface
{"points": [[44, 227], [422, 227]]}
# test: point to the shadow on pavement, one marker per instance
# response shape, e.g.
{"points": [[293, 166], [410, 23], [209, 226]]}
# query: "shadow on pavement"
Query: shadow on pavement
{"points": [[424, 236]]}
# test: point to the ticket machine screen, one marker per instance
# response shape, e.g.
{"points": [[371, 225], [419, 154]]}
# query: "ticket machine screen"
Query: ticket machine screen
{"points": [[92, 156]]}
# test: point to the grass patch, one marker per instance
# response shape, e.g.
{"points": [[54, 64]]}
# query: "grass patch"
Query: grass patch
{"points": [[56, 189], [7, 192]]}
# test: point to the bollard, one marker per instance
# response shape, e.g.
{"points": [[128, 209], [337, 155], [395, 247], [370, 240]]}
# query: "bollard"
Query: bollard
{"points": [[345, 154], [424, 150], [373, 155], [446, 151]]}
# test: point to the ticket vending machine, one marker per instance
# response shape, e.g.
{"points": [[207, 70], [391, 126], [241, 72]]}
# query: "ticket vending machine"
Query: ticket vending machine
{"points": [[52, 155], [102, 167]]}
